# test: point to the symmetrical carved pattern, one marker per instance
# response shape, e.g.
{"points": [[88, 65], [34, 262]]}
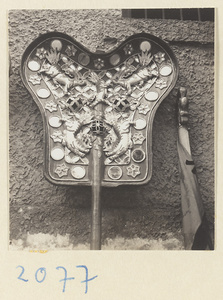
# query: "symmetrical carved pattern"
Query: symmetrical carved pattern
{"points": [[69, 84]]}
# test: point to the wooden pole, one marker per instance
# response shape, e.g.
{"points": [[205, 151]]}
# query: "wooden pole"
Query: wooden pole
{"points": [[96, 189]]}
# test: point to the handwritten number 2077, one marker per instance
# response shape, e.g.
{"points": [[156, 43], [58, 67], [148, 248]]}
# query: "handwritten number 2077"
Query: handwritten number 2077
{"points": [[40, 276]]}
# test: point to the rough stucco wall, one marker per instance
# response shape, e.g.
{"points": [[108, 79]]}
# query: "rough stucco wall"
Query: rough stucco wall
{"points": [[151, 211]]}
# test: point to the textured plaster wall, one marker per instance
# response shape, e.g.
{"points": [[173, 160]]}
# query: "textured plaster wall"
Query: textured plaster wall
{"points": [[151, 211]]}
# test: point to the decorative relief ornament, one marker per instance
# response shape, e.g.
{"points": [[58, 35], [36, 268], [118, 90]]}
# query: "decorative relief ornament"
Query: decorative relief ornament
{"points": [[78, 172], [84, 59], [55, 121], [137, 93], [99, 63], [72, 158], [128, 49], [143, 109], [57, 136], [71, 50], [133, 171], [51, 106], [115, 59], [151, 96], [41, 53], [145, 46], [134, 103], [159, 57], [98, 106], [161, 84], [121, 103], [35, 79], [138, 155], [57, 153], [115, 172], [140, 124], [138, 138], [34, 65], [56, 45], [165, 70], [43, 93], [61, 170]]}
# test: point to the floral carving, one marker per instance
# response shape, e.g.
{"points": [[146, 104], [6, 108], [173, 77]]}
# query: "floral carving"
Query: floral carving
{"points": [[57, 136], [99, 63], [133, 170], [159, 57], [34, 79], [71, 50], [143, 109], [160, 83], [51, 106], [61, 170], [41, 53], [128, 49], [138, 138]]}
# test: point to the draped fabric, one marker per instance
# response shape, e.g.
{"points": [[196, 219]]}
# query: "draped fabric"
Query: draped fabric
{"points": [[195, 227]]}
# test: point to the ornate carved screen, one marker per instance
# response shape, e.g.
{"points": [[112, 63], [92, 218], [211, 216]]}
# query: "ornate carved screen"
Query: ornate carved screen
{"points": [[98, 106]]}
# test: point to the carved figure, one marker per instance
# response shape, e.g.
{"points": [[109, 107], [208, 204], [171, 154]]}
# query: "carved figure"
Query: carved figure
{"points": [[122, 130], [78, 141], [142, 75], [59, 77], [129, 76], [75, 145], [67, 75], [101, 87]]}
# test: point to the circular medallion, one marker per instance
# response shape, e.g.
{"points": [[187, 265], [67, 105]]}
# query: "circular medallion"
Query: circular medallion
{"points": [[140, 124], [83, 59], [55, 122], [43, 93], [151, 96], [145, 46], [78, 172], [56, 45], [138, 155], [115, 172], [166, 70], [57, 153], [33, 65], [114, 59]]}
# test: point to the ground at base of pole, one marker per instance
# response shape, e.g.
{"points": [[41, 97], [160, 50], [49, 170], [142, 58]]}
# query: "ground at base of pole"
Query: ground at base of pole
{"points": [[41, 241]]}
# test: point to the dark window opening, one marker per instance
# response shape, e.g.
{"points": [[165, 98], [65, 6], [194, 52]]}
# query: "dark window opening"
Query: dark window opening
{"points": [[190, 14], [194, 14], [153, 13], [138, 13], [172, 14]]}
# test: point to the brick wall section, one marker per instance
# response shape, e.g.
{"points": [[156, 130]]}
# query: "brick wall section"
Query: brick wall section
{"points": [[149, 211]]}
